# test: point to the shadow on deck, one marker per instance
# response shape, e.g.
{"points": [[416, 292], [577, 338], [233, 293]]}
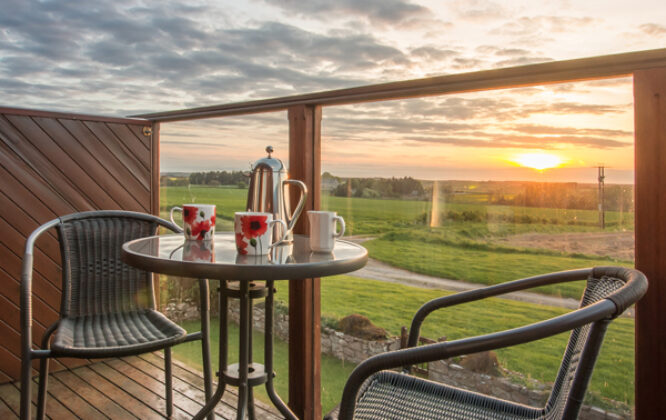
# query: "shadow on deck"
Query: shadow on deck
{"points": [[126, 388]]}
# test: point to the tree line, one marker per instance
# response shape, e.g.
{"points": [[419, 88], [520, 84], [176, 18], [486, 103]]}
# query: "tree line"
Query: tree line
{"points": [[406, 187], [218, 178], [569, 196]]}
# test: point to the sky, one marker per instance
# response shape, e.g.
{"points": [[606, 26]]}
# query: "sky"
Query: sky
{"points": [[129, 57]]}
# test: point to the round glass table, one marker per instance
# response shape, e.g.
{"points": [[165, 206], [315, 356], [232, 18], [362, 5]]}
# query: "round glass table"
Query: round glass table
{"points": [[242, 277]]}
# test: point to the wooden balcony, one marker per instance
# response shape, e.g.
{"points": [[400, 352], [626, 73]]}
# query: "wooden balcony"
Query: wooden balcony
{"points": [[54, 164], [127, 388]]}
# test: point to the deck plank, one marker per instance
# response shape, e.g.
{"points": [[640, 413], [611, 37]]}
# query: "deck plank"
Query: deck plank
{"points": [[54, 409], [127, 388], [11, 397], [188, 405], [94, 397], [150, 405], [194, 391], [6, 412], [115, 392], [72, 400], [191, 375], [136, 389]]}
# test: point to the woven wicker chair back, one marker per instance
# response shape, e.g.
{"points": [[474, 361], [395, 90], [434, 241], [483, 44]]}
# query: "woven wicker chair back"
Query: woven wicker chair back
{"points": [[595, 290], [95, 280]]}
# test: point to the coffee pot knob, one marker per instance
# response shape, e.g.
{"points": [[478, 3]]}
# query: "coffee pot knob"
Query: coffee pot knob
{"points": [[269, 150]]}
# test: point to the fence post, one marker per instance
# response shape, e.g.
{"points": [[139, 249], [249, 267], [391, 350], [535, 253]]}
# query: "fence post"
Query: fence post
{"points": [[650, 190], [304, 294]]}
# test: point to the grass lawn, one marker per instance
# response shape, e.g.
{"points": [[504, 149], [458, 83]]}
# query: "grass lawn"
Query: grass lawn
{"points": [[478, 262], [377, 216], [392, 305], [613, 377], [334, 372], [459, 249], [365, 216]]}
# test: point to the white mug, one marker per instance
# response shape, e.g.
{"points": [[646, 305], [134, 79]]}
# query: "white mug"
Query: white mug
{"points": [[254, 232], [198, 221], [322, 230]]}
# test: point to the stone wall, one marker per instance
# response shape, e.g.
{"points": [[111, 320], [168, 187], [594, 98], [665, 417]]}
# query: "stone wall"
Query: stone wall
{"points": [[355, 350]]}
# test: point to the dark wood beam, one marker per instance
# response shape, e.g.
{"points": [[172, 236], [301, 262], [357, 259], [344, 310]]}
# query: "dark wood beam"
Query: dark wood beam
{"points": [[72, 116], [304, 294], [650, 167]]}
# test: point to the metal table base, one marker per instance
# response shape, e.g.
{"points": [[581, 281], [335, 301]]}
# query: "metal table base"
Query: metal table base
{"points": [[246, 374]]}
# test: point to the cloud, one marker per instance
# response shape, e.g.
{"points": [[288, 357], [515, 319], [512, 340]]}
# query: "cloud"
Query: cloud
{"points": [[539, 25], [539, 31], [384, 12], [545, 130], [128, 57], [171, 60], [501, 141], [578, 108], [479, 10], [433, 53], [653, 29]]}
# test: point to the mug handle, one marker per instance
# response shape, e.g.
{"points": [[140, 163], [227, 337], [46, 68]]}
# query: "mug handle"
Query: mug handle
{"points": [[171, 216], [342, 227], [284, 231]]}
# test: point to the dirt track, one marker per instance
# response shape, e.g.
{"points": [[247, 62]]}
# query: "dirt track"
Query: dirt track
{"points": [[618, 245]]}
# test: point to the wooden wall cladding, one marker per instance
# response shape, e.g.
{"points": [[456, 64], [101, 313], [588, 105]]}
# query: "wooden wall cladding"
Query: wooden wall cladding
{"points": [[53, 164]]}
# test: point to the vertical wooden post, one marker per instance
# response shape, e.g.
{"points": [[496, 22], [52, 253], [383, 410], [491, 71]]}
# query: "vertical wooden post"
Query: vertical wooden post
{"points": [[304, 294], [650, 167]]}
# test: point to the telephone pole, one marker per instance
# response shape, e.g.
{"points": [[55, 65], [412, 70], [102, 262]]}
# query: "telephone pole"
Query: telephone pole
{"points": [[602, 176]]}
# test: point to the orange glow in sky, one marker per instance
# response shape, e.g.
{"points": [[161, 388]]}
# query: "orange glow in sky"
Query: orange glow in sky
{"points": [[538, 161]]}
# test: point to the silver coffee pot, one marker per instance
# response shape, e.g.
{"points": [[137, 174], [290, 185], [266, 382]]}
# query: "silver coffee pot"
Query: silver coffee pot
{"points": [[269, 192]]}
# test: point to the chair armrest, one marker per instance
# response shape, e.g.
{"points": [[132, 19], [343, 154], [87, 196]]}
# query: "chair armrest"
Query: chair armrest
{"points": [[26, 287], [490, 291], [439, 351]]}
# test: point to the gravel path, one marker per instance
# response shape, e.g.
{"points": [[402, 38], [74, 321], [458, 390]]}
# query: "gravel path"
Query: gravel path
{"points": [[378, 270]]}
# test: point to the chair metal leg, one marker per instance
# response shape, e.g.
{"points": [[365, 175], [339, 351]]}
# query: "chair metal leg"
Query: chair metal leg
{"points": [[43, 383], [26, 387], [167, 381], [44, 373]]}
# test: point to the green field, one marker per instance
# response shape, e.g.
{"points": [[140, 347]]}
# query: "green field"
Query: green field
{"points": [[458, 249], [614, 373], [462, 247], [342, 295]]}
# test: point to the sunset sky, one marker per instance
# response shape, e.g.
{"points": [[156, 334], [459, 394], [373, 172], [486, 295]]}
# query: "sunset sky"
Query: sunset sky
{"points": [[129, 57]]}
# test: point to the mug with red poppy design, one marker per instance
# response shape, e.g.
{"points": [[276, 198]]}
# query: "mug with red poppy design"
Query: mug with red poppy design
{"points": [[198, 221], [198, 251], [254, 232]]}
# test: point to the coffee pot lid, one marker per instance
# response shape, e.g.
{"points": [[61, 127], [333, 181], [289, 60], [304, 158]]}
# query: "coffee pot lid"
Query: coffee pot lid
{"points": [[274, 164]]}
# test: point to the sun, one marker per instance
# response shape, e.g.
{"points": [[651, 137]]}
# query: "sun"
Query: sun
{"points": [[538, 161]]}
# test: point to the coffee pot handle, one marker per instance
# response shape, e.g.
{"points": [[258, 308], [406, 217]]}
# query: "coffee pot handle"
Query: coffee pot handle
{"points": [[301, 203]]}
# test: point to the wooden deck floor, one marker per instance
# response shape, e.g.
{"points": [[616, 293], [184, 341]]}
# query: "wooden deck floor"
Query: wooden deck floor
{"points": [[127, 388]]}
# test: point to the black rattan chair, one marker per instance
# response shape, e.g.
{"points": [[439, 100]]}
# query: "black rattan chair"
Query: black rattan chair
{"points": [[374, 392], [107, 307]]}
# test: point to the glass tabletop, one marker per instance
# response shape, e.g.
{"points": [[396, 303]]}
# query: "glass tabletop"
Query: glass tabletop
{"points": [[218, 259]]}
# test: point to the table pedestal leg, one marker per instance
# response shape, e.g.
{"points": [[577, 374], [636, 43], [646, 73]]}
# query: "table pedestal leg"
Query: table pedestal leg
{"points": [[211, 401], [246, 374], [243, 356], [204, 298], [268, 354]]}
